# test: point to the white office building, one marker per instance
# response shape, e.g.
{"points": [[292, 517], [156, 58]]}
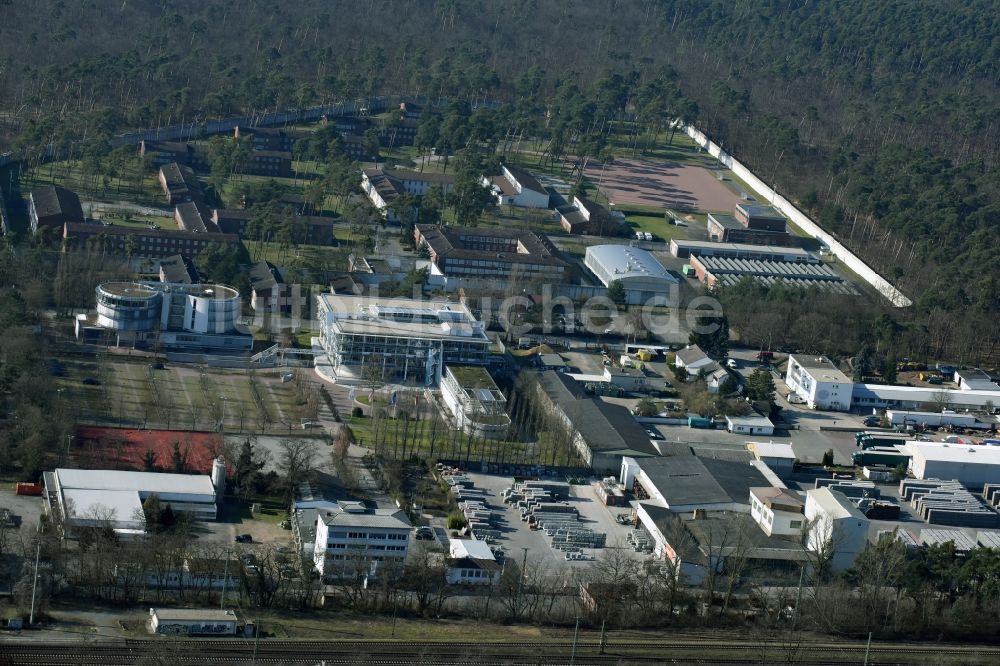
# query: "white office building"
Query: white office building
{"points": [[179, 315], [642, 276], [817, 381], [398, 339], [476, 403], [835, 527], [354, 541]]}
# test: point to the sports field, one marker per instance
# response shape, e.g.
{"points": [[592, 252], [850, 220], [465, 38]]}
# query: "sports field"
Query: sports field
{"points": [[662, 185], [109, 391]]}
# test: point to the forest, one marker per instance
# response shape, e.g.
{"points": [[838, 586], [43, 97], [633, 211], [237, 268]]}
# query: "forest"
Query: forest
{"points": [[881, 119]]}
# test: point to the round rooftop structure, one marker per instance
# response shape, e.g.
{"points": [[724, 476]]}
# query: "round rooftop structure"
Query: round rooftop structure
{"points": [[128, 306]]}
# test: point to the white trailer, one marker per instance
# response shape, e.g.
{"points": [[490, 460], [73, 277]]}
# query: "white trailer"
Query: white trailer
{"points": [[903, 419]]}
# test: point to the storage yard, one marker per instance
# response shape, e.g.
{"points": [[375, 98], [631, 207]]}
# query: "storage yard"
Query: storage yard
{"points": [[565, 524]]}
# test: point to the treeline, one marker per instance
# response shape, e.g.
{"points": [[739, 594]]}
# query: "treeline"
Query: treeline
{"points": [[890, 137]]}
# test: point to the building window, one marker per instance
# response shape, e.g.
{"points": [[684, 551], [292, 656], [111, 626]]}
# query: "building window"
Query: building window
{"points": [[795, 524]]}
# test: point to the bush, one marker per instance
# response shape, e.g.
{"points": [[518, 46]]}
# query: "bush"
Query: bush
{"points": [[357, 412], [646, 408], [456, 521], [828, 458]]}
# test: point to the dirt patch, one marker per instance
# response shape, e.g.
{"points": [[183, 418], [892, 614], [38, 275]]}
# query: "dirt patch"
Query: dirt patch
{"points": [[662, 184], [122, 448]]}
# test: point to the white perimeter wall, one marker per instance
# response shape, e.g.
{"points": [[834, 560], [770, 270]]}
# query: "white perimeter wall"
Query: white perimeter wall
{"points": [[799, 219]]}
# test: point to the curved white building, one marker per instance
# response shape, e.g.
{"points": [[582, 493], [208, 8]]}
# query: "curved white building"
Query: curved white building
{"points": [[183, 315], [639, 272], [128, 306]]}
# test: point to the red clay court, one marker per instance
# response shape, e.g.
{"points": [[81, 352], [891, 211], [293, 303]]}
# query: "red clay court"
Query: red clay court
{"points": [[97, 447], [663, 185]]}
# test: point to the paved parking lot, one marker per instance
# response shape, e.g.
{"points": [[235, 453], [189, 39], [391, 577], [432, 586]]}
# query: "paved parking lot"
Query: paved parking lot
{"points": [[516, 538], [28, 508]]}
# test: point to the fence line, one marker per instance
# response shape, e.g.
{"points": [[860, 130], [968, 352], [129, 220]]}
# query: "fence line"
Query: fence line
{"points": [[838, 249]]}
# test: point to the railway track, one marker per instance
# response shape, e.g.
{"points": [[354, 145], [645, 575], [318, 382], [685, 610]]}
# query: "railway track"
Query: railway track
{"points": [[689, 650]]}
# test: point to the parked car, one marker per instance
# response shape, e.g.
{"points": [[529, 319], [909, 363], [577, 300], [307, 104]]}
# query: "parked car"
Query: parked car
{"points": [[156, 366], [872, 421], [90, 381], [654, 434], [244, 538], [731, 363]]}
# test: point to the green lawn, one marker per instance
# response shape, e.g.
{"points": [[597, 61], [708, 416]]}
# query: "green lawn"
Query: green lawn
{"points": [[70, 174], [454, 445]]}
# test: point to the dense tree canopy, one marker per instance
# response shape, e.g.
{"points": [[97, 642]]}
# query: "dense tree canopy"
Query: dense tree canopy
{"points": [[880, 118]]}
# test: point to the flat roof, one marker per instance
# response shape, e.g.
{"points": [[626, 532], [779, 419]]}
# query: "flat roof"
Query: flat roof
{"points": [[129, 289], [821, 368], [726, 221], [834, 503], [401, 317], [771, 449], [116, 506], [760, 210], [967, 454], [755, 421], [924, 394], [152, 482], [745, 248], [471, 376], [688, 479], [378, 518], [198, 614]]}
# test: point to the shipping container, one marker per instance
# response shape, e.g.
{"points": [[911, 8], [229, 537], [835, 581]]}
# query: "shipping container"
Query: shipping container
{"points": [[29, 489]]}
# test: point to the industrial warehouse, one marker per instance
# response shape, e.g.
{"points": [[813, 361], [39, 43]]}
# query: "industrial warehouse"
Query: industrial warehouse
{"points": [[638, 271], [84, 498]]}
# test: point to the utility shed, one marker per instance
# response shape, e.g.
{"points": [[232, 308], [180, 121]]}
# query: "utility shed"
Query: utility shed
{"points": [[192, 621]]}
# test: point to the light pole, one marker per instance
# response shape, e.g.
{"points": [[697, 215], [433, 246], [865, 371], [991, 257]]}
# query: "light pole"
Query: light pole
{"points": [[225, 580], [34, 584]]}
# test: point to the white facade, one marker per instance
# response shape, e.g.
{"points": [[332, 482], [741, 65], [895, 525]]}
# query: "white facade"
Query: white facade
{"points": [[181, 315], [914, 397], [778, 457], [474, 399], [970, 465], [517, 189], [778, 512], [471, 562], [192, 621], [835, 527], [359, 542], [820, 383], [94, 498], [899, 417], [750, 425]]}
